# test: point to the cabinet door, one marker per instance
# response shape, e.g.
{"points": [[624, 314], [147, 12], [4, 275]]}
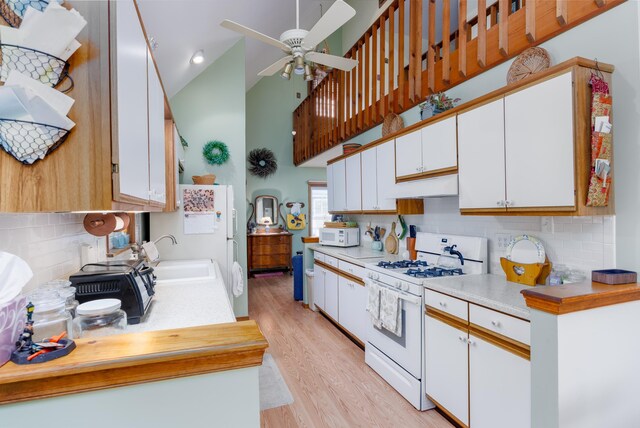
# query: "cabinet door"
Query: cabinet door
{"points": [[386, 177], [353, 177], [369, 180], [131, 104], [318, 286], [539, 145], [157, 142], [352, 308], [409, 154], [447, 369], [439, 148], [481, 171], [330, 192], [499, 387], [331, 294], [339, 186]]}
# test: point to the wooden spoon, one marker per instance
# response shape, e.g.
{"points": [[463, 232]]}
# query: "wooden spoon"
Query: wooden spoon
{"points": [[391, 243]]}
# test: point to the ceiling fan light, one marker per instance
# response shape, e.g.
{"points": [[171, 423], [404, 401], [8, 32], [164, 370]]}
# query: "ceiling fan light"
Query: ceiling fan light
{"points": [[308, 75], [198, 57], [286, 72], [299, 65]]}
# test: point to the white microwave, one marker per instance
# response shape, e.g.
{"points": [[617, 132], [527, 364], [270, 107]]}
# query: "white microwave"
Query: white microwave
{"points": [[340, 237]]}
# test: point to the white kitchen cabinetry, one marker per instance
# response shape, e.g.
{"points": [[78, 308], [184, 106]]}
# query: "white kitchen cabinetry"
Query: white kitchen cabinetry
{"points": [[447, 369], [352, 313], [409, 154], [353, 177], [131, 109], [499, 387], [378, 178], [481, 159], [331, 294], [319, 276], [330, 186], [540, 145], [339, 186], [157, 168], [439, 148]]}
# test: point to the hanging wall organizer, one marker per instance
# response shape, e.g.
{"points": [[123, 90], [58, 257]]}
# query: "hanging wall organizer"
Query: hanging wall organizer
{"points": [[12, 11]]}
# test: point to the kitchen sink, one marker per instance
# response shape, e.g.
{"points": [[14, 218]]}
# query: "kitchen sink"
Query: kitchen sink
{"points": [[174, 271]]}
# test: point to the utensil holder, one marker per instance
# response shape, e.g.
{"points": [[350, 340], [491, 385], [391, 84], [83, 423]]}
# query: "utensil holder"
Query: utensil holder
{"points": [[526, 273], [13, 10], [38, 65], [29, 142]]}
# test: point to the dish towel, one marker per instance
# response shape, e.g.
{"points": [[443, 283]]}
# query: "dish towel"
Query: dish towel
{"points": [[238, 281], [373, 303], [391, 311]]}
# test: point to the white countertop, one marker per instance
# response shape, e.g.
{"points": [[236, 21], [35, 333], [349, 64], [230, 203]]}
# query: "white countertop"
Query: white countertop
{"points": [[188, 304], [491, 291], [356, 255]]}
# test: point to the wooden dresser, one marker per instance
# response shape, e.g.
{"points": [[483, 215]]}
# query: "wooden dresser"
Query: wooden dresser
{"points": [[269, 251]]}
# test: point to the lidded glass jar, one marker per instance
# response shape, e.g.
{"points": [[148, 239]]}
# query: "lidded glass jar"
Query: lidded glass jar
{"points": [[99, 318], [50, 316], [63, 287]]}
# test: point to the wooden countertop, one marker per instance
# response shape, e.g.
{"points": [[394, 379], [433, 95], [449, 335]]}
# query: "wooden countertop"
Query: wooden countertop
{"points": [[129, 359], [579, 297]]}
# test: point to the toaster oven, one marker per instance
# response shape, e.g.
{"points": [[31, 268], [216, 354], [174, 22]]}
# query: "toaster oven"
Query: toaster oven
{"points": [[130, 281], [340, 237]]}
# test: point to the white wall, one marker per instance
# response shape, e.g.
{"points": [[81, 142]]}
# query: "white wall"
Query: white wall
{"points": [[612, 38], [49, 243]]}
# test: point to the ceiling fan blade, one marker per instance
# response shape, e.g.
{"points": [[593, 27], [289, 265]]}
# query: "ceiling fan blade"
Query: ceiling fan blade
{"points": [[333, 61], [337, 15], [276, 66], [234, 26]]}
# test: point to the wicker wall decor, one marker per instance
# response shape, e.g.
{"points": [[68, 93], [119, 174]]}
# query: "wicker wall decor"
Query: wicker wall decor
{"points": [[262, 162], [392, 123], [529, 62]]}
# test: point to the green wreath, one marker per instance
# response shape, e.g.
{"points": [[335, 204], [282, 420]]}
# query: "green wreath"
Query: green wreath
{"points": [[215, 152]]}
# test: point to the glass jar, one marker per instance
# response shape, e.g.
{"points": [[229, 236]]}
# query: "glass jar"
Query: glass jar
{"points": [[63, 287], [99, 318], [575, 276], [50, 317]]}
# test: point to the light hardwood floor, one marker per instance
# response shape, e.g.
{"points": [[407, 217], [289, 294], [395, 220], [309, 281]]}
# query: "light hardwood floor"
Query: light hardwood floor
{"points": [[326, 373]]}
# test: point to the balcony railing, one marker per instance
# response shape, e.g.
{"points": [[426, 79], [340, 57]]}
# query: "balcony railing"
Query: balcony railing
{"points": [[404, 57]]}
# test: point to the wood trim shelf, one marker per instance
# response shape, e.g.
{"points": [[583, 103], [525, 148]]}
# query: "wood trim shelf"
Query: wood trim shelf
{"points": [[446, 318], [310, 240], [428, 174], [503, 342], [340, 273], [559, 300], [128, 359]]}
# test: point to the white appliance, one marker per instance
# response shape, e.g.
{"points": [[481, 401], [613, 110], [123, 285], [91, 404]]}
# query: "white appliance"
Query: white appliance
{"points": [[340, 237], [400, 360], [209, 234]]}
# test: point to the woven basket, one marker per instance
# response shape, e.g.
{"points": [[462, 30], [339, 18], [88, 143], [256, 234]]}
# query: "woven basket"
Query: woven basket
{"points": [[204, 179], [531, 61], [392, 123]]}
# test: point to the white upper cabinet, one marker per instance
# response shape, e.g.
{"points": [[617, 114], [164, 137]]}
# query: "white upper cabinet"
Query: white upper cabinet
{"points": [[481, 159], [409, 154], [339, 186], [131, 103], [157, 168], [370, 179], [330, 193], [439, 149], [386, 177], [353, 177], [540, 145]]}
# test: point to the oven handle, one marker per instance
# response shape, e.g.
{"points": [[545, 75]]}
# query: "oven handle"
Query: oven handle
{"points": [[404, 296]]}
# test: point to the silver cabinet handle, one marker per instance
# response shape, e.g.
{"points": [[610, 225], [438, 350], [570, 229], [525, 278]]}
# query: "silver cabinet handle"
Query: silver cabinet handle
{"points": [[501, 203], [509, 203], [443, 304], [495, 323], [471, 342], [462, 339]]}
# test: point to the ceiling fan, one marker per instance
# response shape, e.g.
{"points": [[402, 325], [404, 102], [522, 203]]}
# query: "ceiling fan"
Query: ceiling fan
{"points": [[299, 44]]}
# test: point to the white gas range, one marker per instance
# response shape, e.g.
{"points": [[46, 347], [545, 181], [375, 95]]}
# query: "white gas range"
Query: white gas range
{"points": [[400, 359]]}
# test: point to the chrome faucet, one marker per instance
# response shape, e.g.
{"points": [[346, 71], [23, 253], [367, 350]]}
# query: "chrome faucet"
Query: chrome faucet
{"points": [[173, 239]]}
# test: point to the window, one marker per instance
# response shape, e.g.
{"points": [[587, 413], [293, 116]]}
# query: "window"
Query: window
{"points": [[318, 206]]}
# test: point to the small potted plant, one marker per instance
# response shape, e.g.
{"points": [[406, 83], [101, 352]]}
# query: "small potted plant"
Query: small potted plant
{"points": [[437, 103]]}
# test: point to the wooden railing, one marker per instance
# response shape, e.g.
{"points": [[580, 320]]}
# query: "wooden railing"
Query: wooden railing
{"points": [[396, 73]]}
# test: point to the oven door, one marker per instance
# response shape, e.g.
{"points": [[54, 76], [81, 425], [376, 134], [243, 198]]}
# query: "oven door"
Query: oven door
{"points": [[406, 351]]}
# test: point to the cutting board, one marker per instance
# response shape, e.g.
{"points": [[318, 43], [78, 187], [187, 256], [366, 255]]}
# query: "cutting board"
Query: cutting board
{"points": [[392, 243]]}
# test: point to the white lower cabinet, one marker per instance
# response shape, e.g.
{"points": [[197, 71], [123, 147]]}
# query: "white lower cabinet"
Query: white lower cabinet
{"points": [[447, 368], [331, 294], [318, 286], [499, 387], [352, 308]]}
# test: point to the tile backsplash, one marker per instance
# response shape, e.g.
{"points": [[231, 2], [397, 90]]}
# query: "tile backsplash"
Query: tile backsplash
{"points": [[583, 243], [50, 243]]}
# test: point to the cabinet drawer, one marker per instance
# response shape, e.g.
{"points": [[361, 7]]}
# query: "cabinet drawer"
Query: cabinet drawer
{"points": [[265, 250], [500, 323], [269, 261], [456, 307], [351, 269], [318, 256], [331, 261]]}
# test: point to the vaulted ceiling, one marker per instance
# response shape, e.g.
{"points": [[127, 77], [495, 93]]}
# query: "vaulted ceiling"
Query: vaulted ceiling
{"points": [[183, 27]]}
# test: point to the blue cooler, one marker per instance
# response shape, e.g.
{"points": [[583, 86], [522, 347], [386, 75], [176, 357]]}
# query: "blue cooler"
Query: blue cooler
{"points": [[298, 273]]}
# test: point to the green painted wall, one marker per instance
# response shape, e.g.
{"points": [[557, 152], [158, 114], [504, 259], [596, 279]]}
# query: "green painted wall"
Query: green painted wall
{"points": [[212, 107], [270, 104]]}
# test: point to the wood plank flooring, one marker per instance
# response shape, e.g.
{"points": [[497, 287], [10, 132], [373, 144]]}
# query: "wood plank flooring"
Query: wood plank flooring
{"points": [[326, 373]]}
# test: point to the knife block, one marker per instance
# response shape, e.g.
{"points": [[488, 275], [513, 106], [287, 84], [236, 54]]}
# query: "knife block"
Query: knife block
{"points": [[411, 247], [526, 273]]}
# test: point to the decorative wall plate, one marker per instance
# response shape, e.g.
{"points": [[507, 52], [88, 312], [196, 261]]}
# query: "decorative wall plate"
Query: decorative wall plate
{"points": [[526, 249]]}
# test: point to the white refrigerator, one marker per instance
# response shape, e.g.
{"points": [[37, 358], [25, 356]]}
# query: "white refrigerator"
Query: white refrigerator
{"points": [[205, 226]]}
